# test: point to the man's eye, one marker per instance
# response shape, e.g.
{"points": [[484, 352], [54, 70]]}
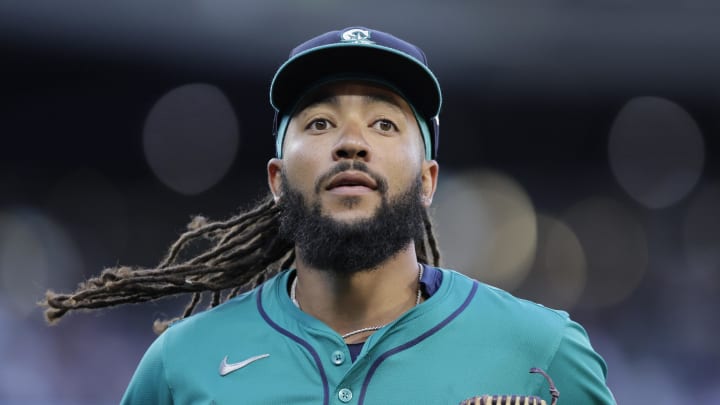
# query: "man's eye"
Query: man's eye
{"points": [[385, 125], [319, 124]]}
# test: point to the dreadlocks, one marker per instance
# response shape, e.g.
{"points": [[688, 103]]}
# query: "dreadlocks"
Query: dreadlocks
{"points": [[241, 253]]}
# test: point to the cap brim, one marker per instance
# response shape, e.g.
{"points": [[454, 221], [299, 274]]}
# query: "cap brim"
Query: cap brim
{"points": [[417, 83]]}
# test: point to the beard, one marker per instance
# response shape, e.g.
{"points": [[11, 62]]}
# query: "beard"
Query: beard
{"points": [[344, 248]]}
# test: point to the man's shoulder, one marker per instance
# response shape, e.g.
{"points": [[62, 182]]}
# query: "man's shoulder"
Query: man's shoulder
{"points": [[495, 305], [235, 318], [238, 308], [520, 334]]}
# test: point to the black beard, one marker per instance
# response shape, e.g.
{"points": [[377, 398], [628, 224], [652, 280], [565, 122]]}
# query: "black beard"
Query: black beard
{"points": [[347, 248]]}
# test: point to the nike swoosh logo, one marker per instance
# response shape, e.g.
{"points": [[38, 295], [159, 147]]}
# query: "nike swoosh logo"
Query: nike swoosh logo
{"points": [[227, 368]]}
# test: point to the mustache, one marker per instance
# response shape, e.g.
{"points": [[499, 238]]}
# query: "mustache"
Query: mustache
{"points": [[351, 165]]}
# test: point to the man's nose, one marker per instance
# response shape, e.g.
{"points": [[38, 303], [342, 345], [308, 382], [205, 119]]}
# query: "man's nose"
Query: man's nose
{"points": [[352, 144]]}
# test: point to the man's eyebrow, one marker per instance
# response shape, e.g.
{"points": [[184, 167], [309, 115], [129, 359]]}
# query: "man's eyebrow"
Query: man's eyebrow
{"points": [[332, 99]]}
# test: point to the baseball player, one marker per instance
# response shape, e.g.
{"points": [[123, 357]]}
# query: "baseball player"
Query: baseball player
{"points": [[329, 290]]}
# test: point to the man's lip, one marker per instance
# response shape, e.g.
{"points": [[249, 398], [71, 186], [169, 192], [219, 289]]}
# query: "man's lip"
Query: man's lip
{"points": [[351, 179]]}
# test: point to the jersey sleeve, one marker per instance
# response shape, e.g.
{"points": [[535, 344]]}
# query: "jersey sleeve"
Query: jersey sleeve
{"points": [[578, 371], [149, 384]]}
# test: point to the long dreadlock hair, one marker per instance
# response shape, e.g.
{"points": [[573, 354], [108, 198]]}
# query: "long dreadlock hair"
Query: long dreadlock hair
{"points": [[240, 254]]}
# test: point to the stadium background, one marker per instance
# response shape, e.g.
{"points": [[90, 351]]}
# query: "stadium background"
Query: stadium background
{"points": [[579, 161]]}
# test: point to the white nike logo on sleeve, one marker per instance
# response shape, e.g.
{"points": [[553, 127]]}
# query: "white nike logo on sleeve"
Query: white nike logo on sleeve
{"points": [[227, 368]]}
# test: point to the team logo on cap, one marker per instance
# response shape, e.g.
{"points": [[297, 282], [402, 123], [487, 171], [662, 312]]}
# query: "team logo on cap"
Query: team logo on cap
{"points": [[357, 36]]}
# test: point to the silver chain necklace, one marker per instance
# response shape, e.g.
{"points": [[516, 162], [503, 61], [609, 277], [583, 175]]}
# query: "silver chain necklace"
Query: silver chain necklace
{"points": [[293, 287]]}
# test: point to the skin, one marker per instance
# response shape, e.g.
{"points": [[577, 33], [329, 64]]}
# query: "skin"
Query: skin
{"points": [[365, 122]]}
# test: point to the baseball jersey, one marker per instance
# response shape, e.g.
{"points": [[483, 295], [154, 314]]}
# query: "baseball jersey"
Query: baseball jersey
{"points": [[467, 339]]}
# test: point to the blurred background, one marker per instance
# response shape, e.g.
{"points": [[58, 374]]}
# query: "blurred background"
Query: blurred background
{"points": [[579, 153]]}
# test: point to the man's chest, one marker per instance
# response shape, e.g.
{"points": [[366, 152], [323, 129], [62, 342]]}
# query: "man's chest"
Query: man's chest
{"points": [[425, 373]]}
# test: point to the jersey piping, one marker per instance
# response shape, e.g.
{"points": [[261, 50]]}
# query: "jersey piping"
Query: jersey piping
{"points": [[415, 341], [301, 341]]}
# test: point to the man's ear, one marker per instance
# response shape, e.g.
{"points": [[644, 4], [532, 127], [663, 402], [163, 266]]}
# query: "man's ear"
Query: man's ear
{"points": [[430, 169], [274, 171]]}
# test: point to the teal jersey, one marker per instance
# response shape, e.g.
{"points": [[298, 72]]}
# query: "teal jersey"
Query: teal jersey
{"points": [[467, 339]]}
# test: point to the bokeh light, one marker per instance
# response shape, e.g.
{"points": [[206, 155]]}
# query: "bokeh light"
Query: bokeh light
{"points": [[656, 151], [191, 138], [35, 253], [559, 273], [486, 227], [615, 247]]}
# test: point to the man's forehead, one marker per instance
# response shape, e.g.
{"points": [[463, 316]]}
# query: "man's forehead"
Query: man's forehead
{"points": [[370, 93]]}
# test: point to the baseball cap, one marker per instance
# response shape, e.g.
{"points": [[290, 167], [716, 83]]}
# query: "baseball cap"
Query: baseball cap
{"points": [[359, 53]]}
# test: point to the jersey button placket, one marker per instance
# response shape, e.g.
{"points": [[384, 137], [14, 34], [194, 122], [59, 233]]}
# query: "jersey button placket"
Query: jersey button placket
{"points": [[345, 395]]}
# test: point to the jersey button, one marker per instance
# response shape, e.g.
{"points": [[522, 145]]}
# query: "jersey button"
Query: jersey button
{"points": [[345, 395], [338, 357]]}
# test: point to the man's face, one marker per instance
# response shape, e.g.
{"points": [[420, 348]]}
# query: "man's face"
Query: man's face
{"points": [[346, 122], [353, 181]]}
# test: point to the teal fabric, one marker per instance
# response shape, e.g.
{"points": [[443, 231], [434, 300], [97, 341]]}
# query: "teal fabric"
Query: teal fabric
{"points": [[467, 339]]}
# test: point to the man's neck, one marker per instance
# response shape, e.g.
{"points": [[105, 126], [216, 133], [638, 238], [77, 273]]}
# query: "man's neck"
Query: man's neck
{"points": [[363, 299]]}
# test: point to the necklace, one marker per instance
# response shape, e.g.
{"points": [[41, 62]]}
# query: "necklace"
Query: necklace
{"points": [[294, 300]]}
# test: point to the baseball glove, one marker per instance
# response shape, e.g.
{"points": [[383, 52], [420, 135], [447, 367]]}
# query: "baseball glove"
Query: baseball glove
{"points": [[516, 399]]}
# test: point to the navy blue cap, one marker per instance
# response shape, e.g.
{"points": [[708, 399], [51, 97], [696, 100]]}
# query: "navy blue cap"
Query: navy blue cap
{"points": [[359, 52]]}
